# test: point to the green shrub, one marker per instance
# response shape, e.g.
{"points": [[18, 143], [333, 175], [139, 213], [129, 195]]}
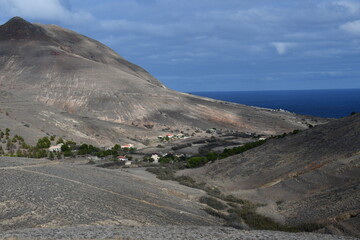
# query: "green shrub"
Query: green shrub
{"points": [[68, 153], [40, 153], [60, 140], [212, 156], [162, 173], [165, 160], [296, 131], [196, 162], [43, 143], [215, 213], [212, 202], [233, 199], [188, 181], [65, 148]]}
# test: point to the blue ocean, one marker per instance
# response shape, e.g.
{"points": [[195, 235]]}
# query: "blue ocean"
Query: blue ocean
{"points": [[322, 103]]}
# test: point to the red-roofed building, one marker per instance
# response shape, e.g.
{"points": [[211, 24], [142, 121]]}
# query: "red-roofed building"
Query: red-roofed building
{"points": [[122, 158], [127, 146]]}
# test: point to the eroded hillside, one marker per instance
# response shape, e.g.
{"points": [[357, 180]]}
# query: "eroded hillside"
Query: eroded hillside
{"points": [[312, 176]]}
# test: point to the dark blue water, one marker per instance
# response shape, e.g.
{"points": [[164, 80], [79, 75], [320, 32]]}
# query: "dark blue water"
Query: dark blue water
{"points": [[322, 103]]}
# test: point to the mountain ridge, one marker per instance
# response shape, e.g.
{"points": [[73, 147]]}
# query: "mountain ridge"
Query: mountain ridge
{"points": [[66, 71]]}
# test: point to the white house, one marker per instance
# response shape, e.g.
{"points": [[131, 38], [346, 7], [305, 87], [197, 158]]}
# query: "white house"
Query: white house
{"points": [[122, 158], [56, 148], [155, 157]]}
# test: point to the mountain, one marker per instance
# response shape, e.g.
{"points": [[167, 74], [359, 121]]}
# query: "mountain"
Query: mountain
{"points": [[312, 176], [60, 82]]}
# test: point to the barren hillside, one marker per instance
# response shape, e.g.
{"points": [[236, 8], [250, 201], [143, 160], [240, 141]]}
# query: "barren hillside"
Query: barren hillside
{"points": [[312, 176], [41, 199], [73, 85]]}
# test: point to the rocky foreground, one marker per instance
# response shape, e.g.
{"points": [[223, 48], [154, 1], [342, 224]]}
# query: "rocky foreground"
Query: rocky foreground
{"points": [[46, 194], [161, 232], [41, 199]]}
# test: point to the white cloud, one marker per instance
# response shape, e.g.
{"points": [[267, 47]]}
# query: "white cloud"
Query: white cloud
{"points": [[282, 47], [43, 10], [303, 36], [351, 27], [352, 7], [133, 26]]}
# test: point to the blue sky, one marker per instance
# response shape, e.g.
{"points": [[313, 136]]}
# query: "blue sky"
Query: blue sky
{"points": [[213, 45]]}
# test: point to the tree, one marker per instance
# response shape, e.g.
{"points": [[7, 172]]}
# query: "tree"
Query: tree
{"points": [[71, 144], [51, 156], [20, 138], [52, 138], [65, 148], [40, 153], [43, 143], [9, 145], [68, 154], [60, 140], [212, 156], [196, 162], [117, 147], [19, 153]]}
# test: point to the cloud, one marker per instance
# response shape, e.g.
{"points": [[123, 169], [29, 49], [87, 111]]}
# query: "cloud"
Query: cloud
{"points": [[351, 27], [182, 38], [282, 47], [352, 7], [123, 25], [54, 10]]}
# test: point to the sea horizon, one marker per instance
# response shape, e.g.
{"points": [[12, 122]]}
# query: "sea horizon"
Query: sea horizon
{"points": [[327, 103]]}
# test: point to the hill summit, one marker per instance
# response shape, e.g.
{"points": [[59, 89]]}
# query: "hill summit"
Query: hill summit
{"points": [[19, 29]]}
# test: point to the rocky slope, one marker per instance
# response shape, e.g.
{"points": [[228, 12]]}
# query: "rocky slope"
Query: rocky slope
{"points": [[161, 232], [44, 194], [47, 71], [312, 176], [42, 199]]}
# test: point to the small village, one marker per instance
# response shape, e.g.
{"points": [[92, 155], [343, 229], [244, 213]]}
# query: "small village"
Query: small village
{"points": [[190, 150]]}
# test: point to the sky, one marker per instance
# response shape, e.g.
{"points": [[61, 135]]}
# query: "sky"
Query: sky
{"points": [[219, 45]]}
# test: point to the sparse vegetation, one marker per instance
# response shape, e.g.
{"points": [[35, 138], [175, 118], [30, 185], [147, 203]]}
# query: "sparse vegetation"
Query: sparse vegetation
{"points": [[212, 202], [239, 211], [17, 147], [43, 143], [213, 156]]}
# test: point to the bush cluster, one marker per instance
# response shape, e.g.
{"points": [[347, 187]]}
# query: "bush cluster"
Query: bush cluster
{"points": [[194, 162]]}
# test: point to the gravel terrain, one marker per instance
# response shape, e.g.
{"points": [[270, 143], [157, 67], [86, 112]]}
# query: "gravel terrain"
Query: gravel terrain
{"points": [[55, 194], [42, 199], [161, 232]]}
